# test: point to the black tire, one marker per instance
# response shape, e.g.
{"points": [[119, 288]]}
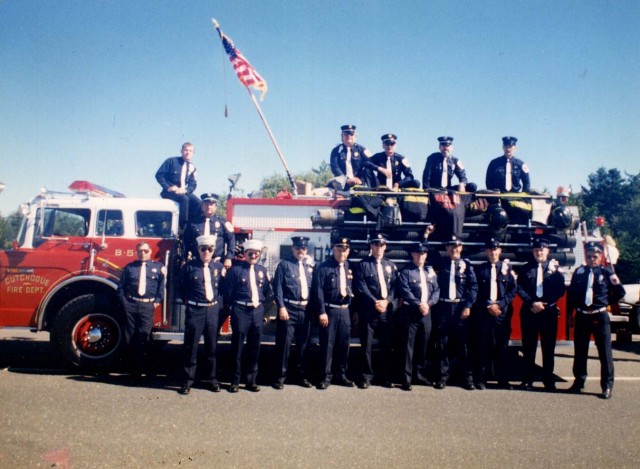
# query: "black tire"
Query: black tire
{"points": [[88, 332]]}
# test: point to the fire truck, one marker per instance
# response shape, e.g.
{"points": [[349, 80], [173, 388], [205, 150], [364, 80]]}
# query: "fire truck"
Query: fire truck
{"points": [[62, 273]]}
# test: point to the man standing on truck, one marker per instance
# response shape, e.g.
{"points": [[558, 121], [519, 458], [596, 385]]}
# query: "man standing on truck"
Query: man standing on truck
{"points": [[291, 292], [200, 290], [491, 316], [331, 294], [140, 290], [347, 158], [540, 285], [247, 287], [593, 287], [417, 291], [373, 285], [206, 224], [177, 176]]}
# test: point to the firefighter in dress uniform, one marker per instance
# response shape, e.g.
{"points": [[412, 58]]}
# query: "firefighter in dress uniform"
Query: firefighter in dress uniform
{"points": [[373, 284], [331, 297], [389, 168], [452, 327], [206, 224], [347, 159], [491, 316], [200, 288], [417, 292], [140, 290], [291, 284], [177, 177], [507, 173], [593, 287], [442, 166], [540, 285], [247, 288]]}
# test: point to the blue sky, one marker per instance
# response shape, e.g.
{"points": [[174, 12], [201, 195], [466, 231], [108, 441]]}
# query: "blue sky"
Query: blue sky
{"points": [[106, 90]]}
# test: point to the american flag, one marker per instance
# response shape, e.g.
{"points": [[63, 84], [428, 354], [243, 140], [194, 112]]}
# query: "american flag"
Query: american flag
{"points": [[245, 71]]}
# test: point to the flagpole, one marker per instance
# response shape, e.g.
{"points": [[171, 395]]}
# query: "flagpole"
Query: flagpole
{"points": [[273, 140]]}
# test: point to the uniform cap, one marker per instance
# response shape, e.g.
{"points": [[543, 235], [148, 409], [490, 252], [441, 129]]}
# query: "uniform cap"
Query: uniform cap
{"points": [[593, 247], [343, 242], [540, 243], [492, 243], [454, 241], [445, 140], [389, 138], [509, 141], [253, 245], [206, 240], [300, 241], [209, 197], [379, 238], [420, 247], [348, 129]]}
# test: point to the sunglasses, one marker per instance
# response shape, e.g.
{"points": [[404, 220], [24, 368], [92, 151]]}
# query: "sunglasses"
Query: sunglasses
{"points": [[445, 144], [592, 257], [206, 248], [389, 142], [144, 251], [252, 253]]}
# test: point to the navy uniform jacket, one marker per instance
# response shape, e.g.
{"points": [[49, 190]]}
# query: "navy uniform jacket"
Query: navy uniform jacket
{"points": [[366, 283], [506, 282], [552, 283], [465, 277], [496, 171], [130, 280], [338, 159], [325, 288], [169, 174], [286, 281], [432, 174], [400, 168], [607, 288], [408, 286], [218, 227], [236, 284], [191, 285]]}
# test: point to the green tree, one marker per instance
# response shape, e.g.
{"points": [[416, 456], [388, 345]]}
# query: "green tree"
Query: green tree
{"points": [[9, 227], [273, 184]]}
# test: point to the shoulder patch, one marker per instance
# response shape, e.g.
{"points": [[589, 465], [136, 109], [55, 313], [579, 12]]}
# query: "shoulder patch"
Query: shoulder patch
{"points": [[366, 153], [405, 162], [615, 280], [525, 168], [459, 164], [228, 226]]}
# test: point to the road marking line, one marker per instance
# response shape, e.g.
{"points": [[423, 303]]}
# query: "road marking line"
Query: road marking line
{"points": [[597, 378]]}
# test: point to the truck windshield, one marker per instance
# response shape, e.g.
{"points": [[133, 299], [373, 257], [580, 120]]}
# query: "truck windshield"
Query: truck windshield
{"points": [[151, 224]]}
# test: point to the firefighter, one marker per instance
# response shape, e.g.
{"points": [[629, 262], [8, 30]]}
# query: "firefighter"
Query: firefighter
{"points": [[291, 284], [140, 291], [177, 177], [442, 166], [331, 296], [540, 285], [347, 158], [208, 223], [373, 284], [593, 287], [452, 326], [507, 173], [247, 288], [491, 316], [200, 288], [417, 291], [389, 168]]}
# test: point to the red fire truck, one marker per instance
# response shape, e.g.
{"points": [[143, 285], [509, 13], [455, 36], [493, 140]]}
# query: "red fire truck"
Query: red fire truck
{"points": [[61, 276]]}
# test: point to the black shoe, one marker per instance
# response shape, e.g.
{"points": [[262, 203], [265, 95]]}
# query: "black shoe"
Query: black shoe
{"points": [[505, 385], [423, 382], [278, 385], [364, 385], [576, 388], [253, 387], [213, 387], [526, 386], [441, 384], [323, 385], [184, 389], [233, 388], [406, 387], [551, 387], [387, 384], [347, 383], [481, 386], [305, 383], [469, 386], [606, 394]]}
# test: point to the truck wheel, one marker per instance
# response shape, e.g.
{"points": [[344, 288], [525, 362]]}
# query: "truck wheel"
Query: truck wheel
{"points": [[87, 332]]}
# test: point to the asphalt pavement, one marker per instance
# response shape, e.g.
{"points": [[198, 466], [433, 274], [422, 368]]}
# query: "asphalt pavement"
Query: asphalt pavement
{"points": [[51, 416]]}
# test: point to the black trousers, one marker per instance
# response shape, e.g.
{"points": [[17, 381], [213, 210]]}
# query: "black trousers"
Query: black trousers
{"points": [[544, 325], [335, 340], [372, 322], [415, 330], [600, 326], [200, 321], [298, 328], [137, 331], [189, 206], [452, 339], [246, 326], [490, 339]]}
